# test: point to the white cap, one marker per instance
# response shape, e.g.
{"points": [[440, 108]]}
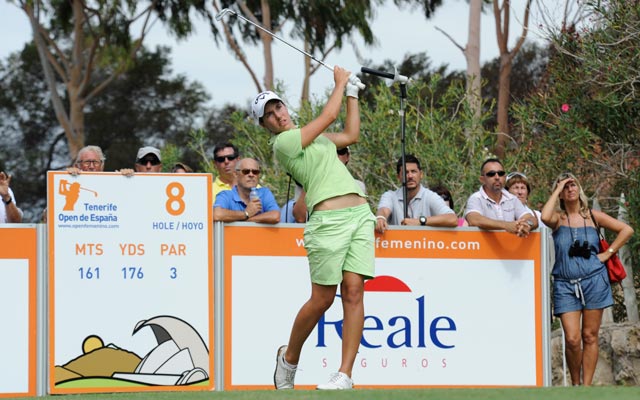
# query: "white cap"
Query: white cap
{"points": [[257, 107], [143, 151]]}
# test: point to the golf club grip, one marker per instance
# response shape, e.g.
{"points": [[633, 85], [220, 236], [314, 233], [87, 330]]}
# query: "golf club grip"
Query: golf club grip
{"points": [[382, 74]]}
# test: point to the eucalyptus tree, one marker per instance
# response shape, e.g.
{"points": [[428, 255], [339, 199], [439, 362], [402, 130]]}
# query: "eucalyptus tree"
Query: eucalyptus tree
{"points": [[74, 38]]}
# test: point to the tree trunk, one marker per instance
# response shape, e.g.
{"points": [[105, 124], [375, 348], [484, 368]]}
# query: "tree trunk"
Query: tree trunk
{"points": [[504, 94], [304, 97], [502, 17], [630, 300], [267, 41], [472, 56], [56, 101]]}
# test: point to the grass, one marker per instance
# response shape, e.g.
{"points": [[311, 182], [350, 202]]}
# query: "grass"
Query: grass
{"points": [[553, 393]]}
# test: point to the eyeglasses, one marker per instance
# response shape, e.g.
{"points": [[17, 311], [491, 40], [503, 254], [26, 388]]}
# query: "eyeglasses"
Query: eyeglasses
{"points": [[225, 158], [491, 174], [145, 161], [247, 171], [343, 151], [86, 163], [514, 174]]}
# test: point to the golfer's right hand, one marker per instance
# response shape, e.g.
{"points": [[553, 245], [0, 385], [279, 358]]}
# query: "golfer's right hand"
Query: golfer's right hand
{"points": [[340, 76]]}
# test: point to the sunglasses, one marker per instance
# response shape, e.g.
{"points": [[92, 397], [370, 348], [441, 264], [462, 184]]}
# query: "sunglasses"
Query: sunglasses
{"points": [[247, 171], [225, 158], [514, 174], [343, 151], [491, 174], [145, 161]]}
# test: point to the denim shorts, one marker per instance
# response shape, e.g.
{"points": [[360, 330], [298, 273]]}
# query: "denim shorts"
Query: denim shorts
{"points": [[595, 289], [340, 240]]}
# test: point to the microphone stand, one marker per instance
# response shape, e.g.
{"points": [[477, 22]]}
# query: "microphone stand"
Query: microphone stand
{"points": [[403, 80]]}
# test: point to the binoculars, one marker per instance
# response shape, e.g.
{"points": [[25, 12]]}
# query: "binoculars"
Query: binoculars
{"points": [[580, 251]]}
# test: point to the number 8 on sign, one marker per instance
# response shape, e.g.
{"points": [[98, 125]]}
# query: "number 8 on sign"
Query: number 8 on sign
{"points": [[175, 199]]}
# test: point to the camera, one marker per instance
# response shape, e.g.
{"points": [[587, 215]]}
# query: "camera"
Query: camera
{"points": [[580, 251]]}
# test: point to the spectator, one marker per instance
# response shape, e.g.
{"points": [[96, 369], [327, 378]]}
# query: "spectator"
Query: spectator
{"points": [[344, 155], [425, 207], [493, 208], [225, 157], [236, 204], [581, 289], [443, 192], [148, 160], [89, 159], [287, 213], [518, 185], [181, 168], [9, 211]]}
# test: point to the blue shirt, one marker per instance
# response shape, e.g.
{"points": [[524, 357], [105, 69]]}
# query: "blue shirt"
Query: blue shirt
{"points": [[230, 200]]}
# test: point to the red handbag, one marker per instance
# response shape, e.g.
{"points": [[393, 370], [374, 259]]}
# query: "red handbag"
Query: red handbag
{"points": [[614, 266]]}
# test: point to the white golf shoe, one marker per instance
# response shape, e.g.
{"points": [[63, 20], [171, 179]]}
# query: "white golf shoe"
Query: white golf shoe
{"points": [[284, 375], [337, 381]]}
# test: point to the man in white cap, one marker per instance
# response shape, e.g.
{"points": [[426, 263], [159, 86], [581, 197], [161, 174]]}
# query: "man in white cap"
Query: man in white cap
{"points": [[148, 160]]}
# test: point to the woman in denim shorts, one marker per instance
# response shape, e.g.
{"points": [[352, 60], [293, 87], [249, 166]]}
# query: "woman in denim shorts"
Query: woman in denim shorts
{"points": [[581, 288], [339, 234]]}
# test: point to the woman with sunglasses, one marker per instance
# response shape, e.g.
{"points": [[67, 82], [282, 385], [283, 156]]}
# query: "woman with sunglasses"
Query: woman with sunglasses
{"points": [[581, 289], [339, 234]]}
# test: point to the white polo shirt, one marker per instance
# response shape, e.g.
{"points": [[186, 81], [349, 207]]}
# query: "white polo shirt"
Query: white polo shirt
{"points": [[509, 209]]}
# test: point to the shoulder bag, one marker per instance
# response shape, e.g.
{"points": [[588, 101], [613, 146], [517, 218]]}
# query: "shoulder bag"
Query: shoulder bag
{"points": [[614, 266]]}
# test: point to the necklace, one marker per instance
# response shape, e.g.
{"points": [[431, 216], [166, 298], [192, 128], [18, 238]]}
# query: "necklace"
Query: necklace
{"points": [[574, 231]]}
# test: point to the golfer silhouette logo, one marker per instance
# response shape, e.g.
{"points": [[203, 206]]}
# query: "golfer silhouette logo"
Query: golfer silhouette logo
{"points": [[71, 192]]}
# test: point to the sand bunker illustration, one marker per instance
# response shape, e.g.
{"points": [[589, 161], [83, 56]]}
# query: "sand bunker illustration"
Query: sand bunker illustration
{"points": [[180, 358]]}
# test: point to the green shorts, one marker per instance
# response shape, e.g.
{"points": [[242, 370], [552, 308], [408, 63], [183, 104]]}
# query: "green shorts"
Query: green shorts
{"points": [[340, 240]]}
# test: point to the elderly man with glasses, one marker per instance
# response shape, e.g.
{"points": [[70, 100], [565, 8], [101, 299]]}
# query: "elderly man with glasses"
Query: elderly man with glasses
{"points": [[89, 159], [494, 208], [238, 204]]}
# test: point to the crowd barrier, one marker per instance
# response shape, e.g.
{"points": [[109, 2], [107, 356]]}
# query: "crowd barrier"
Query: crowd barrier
{"points": [[120, 295]]}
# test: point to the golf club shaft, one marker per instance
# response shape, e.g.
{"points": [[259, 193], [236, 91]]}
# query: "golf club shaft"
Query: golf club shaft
{"points": [[353, 79]]}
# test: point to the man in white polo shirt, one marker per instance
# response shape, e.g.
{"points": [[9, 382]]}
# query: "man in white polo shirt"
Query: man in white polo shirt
{"points": [[494, 208]]}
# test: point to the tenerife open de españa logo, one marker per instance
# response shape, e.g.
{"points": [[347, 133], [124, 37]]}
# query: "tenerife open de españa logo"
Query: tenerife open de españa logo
{"points": [[71, 193]]}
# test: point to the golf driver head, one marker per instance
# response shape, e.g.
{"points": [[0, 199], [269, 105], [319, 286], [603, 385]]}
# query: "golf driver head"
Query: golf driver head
{"points": [[224, 12]]}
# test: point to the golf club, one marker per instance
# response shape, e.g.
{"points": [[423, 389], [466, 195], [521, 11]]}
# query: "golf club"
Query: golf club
{"points": [[352, 79]]}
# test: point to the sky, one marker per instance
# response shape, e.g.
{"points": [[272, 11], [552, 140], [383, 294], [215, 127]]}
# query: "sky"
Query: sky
{"points": [[398, 32]]}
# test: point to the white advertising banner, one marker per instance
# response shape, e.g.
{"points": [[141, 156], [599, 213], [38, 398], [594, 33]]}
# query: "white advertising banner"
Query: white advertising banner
{"points": [[447, 308], [130, 282], [18, 311]]}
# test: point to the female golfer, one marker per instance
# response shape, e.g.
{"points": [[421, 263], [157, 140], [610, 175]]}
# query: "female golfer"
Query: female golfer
{"points": [[581, 288], [339, 234]]}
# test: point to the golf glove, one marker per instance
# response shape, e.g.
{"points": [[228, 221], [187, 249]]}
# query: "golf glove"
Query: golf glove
{"points": [[352, 90]]}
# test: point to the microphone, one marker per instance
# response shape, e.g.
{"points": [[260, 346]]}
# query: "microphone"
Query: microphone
{"points": [[395, 76]]}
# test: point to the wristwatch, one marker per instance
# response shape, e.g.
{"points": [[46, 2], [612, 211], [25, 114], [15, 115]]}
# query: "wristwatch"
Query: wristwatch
{"points": [[610, 250], [7, 202], [530, 222], [423, 220], [246, 215]]}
